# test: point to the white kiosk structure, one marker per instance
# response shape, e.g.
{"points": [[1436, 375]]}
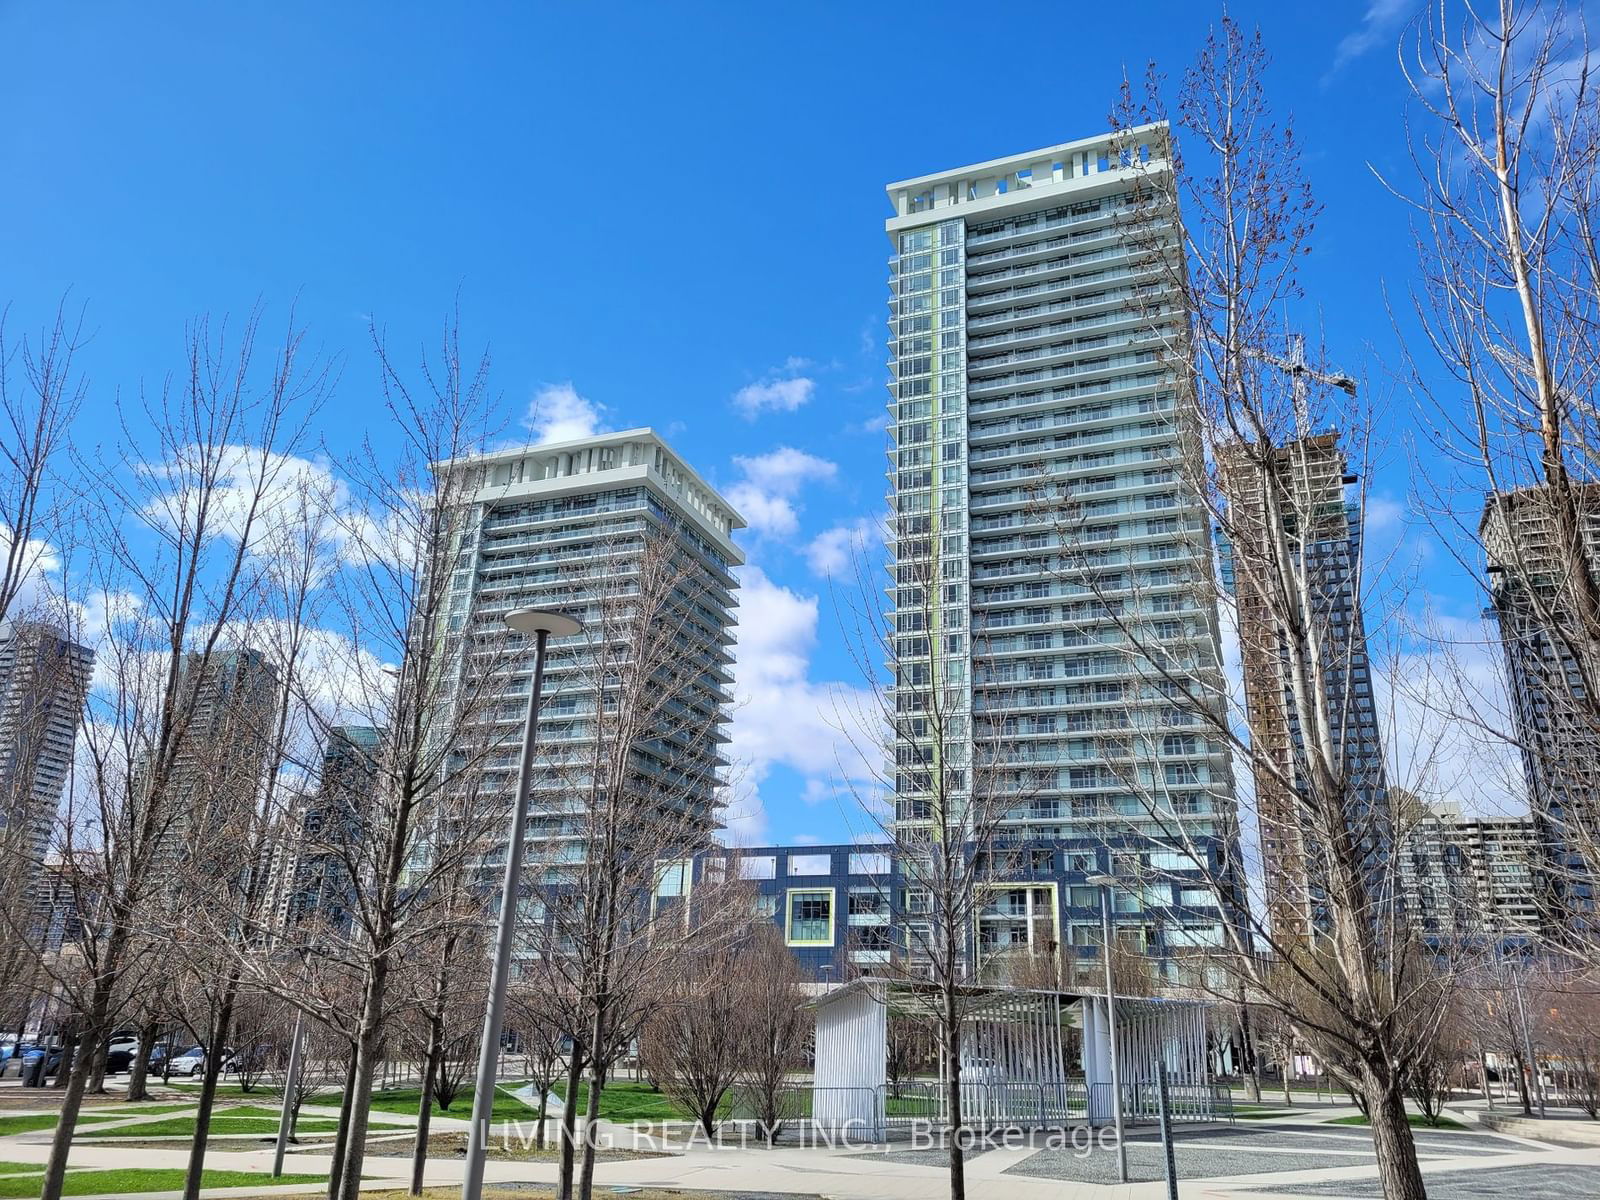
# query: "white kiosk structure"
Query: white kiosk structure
{"points": [[1014, 1059]]}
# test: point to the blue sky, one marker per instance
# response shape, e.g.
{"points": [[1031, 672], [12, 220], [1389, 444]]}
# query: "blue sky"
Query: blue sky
{"points": [[654, 214]]}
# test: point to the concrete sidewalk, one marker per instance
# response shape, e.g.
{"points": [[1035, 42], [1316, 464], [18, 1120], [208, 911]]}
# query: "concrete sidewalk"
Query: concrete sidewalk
{"points": [[900, 1174]]}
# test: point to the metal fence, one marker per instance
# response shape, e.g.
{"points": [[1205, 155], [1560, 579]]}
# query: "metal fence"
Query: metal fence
{"points": [[1141, 1102], [897, 1110]]}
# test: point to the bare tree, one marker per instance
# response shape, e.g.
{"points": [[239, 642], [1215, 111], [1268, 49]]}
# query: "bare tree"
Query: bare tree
{"points": [[448, 986], [637, 790], [542, 1015], [1506, 142], [422, 812], [1331, 953], [775, 1029], [1575, 1037], [40, 393], [937, 782], [1437, 1067], [693, 1042], [173, 573]]}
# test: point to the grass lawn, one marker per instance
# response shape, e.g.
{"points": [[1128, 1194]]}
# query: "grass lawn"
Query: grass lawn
{"points": [[627, 1102], [232, 1091], [1265, 1114], [454, 1145], [184, 1127], [132, 1181], [21, 1168], [1416, 1120], [31, 1122], [490, 1192], [143, 1110], [403, 1102]]}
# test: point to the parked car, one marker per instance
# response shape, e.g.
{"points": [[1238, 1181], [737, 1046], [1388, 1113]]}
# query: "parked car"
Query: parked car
{"points": [[193, 1061], [190, 1062], [120, 1055], [252, 1058]]}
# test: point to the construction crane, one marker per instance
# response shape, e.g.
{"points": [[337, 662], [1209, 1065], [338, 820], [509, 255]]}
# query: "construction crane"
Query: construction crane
{"points": [[1296, 367]]}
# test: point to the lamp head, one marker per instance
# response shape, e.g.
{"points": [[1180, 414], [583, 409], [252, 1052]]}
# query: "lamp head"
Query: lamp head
{"points": [[534, 620], [1102, 880]]}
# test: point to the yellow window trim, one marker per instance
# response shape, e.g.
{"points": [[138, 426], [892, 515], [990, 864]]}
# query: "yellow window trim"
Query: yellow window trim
{"points": [[788, 914]]}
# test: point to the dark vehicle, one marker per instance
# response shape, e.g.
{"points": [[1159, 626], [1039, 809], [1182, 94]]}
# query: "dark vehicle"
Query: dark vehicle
{"points": [[120, 1055], [251, 1060]]}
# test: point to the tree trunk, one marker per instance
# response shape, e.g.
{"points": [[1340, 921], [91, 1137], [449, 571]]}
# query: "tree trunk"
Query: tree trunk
{"points": [[341, 1137], [569, 1116], [1398, 1173], [953, 1126], [69, 1059], [430, 1068], [55, 1172], [139, 1068], [1522, 1085], [1250, 1063], [97, 1071], [369, 1047], [591, 1117], [544, 1110], [216, 1042]]}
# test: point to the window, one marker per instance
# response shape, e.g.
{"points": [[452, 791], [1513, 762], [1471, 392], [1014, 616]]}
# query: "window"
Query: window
{"points": [[867, 902], [759, 866], [869, 864], [810, 917], [810, 864], [871, 937], [674, 878], [767, 906]]}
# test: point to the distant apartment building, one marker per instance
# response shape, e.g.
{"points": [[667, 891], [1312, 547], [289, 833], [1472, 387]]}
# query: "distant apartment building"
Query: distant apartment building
{"points": [[1294, 499], [843, 910], [1541, 598], [57, 901], [309, 877], [1467, 876], [1039, 510], [228, 703], [570, 526], [44, 677]]}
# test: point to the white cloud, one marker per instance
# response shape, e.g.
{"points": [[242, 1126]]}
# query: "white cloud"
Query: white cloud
{"points": [[36, 559], [781, 715], [875, 424], [835, 551], [270, 494], [767, 492], [558, 413], [1448, 718], [782, 390], [1381, 19]]}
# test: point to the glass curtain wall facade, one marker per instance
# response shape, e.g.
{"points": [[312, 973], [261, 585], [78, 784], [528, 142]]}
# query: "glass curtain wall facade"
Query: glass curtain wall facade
{"points": [[1038, 510]]}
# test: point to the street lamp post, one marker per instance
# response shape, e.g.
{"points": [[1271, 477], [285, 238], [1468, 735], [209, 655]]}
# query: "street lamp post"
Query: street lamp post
{"points": [[541, 625], [291, 1090], [1105, 884]]}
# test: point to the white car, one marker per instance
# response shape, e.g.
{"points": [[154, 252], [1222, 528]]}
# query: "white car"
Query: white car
{"points": [[191, 1062]]}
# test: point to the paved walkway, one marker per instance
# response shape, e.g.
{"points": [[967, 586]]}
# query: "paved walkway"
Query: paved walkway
{"points": [[1273, 1159]]}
